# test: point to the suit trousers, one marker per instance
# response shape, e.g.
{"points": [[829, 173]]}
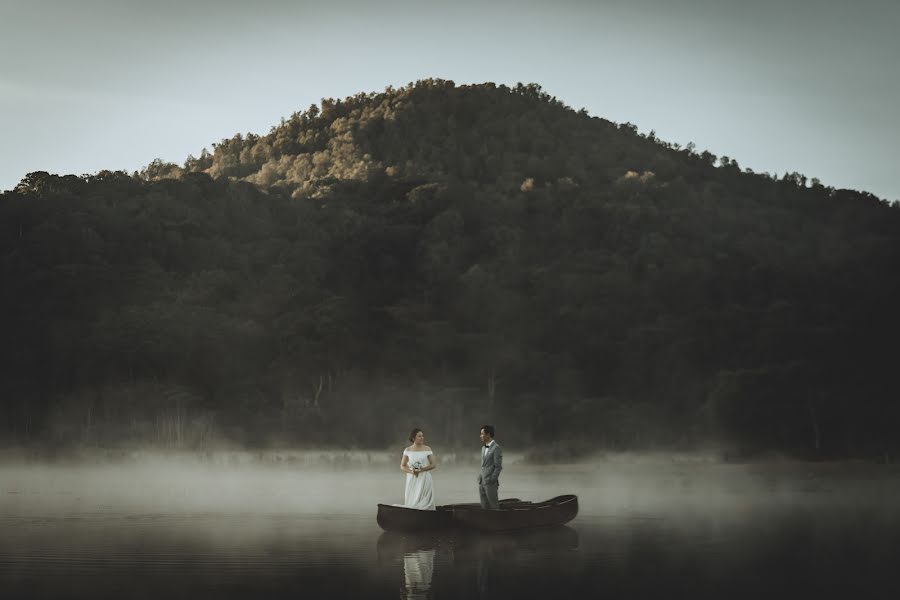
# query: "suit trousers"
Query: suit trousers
{"points": [[488, 494]]}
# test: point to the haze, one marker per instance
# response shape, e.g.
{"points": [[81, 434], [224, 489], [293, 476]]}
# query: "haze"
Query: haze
{"points": [[278, 523], [331, 482]]}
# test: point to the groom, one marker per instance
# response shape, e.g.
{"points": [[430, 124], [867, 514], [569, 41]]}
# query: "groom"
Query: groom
{"points": [[491, 465]]}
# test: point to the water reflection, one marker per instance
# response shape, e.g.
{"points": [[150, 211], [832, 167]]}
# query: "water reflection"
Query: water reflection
{"points": [[417, 554], [418, 568], [472, 564], [823, 531]]}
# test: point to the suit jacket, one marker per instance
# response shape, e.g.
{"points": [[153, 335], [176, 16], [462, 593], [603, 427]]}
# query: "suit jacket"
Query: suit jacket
{"points": [[491, 465]]}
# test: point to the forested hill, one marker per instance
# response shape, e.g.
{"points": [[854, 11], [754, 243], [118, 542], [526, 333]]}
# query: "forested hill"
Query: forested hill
{"points": [[443, 255]]}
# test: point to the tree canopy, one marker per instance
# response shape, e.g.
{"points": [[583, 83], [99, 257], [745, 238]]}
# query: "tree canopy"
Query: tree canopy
{"points": [[439, 255]]}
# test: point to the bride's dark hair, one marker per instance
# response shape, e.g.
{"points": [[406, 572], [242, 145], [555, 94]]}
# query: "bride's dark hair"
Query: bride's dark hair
{"points": [[412, 435]]}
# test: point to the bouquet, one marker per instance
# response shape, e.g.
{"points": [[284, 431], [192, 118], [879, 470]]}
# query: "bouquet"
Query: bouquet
{"points": [[415, 465]]}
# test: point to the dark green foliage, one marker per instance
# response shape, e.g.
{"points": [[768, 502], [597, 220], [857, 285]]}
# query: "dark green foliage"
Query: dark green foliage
{"points": [[439, 256]]}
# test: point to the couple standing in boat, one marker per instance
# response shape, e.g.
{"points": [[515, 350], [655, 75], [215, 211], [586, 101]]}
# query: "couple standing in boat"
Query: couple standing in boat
{"points": [[418, 460]]}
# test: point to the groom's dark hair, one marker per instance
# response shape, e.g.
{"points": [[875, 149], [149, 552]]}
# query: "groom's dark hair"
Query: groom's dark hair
{"points": [[488, 429]]}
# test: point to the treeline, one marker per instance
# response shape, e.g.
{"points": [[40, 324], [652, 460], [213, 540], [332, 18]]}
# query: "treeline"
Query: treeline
{"points": [[439, 256]]}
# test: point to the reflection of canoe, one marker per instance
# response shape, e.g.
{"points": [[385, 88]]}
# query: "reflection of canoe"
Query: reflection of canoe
{"points": [[397, 543], [513, 514], [466, 544], [558, 537]]}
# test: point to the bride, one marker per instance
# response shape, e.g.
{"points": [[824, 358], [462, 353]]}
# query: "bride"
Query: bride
{"points": [[417, 461]]}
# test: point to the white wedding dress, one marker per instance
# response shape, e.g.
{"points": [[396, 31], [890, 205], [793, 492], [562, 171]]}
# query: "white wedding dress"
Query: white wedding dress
{"points": [[419, 490]]}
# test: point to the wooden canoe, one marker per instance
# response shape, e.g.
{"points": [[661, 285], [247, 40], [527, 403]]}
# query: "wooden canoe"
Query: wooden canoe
{"points": [[400, 518], [519, 515], [513, 514]]}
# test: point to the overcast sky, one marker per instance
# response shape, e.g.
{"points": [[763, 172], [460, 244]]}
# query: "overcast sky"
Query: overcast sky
{"points": [[780, 85]]}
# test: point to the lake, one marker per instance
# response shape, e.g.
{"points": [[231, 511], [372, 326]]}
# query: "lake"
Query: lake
{"points": [[239, 526]]}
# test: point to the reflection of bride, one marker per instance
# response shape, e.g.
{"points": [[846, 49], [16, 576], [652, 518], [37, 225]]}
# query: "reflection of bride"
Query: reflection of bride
{"points": [[417, 554], [417, 462], [418, 568]]}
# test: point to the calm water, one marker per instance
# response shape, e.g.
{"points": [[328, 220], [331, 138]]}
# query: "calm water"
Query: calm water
{"points": [[160, 530]]}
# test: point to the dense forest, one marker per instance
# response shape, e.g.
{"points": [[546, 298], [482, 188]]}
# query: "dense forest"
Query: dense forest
{"points": [[440, 256]]}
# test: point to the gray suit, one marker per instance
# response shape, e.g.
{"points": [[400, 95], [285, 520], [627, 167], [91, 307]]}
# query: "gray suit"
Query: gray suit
{"points": [[489, 478]]}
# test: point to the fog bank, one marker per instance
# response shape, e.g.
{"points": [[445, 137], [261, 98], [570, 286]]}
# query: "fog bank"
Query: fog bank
{"points": [[352, 483]]}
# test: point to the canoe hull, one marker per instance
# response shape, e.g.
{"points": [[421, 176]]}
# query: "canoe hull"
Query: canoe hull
{"points": [[398, 518], [512, 515], [556, 511]]}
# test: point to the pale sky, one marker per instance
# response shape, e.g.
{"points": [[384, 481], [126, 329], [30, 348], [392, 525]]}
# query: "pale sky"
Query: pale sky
{"points": [[780, 85]]}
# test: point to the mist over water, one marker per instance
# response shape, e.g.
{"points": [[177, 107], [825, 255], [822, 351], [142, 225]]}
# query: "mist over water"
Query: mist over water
{"points": [[293, 523]]}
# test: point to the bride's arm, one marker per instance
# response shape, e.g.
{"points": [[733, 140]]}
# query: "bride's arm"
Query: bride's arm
{"points": [[432, 463], [403, 466]]}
